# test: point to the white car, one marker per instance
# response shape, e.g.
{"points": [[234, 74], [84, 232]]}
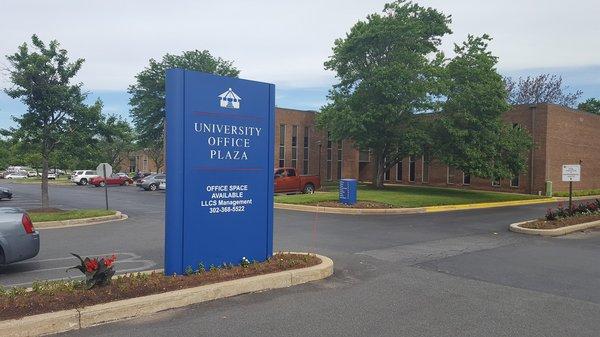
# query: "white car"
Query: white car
{"points": [[16, 176], [32, 174], [83, 177], [162, 185]]}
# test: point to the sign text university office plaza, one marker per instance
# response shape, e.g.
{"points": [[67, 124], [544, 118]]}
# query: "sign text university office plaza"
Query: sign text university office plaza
{"points": [[219, 204]]}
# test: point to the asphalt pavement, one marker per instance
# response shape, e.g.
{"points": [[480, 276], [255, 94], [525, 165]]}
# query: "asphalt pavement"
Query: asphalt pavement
{"points": [[439, 274]]}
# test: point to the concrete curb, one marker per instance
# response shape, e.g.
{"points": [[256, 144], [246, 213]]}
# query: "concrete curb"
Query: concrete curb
{"points": [[118, 216], [516, 227], [75, 319], [416, 210]]}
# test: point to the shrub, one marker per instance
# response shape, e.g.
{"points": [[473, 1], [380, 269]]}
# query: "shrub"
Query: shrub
{"points": [[562, 212], [96, 271]]}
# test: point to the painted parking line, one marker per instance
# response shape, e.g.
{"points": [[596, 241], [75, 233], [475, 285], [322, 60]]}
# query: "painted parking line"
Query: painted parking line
{"points": [[126, 263]]}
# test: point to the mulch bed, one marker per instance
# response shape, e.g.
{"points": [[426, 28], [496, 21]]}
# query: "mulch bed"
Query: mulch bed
{"points": [[136, 285], [359, 204], [543, 224]]}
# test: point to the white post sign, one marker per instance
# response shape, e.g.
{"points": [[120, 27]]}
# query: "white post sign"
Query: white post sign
{"points": [[571, 173], [104, 170]]}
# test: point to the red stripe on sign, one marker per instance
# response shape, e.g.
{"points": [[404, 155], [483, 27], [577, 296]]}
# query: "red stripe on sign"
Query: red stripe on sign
{"points": [[228, 115]]}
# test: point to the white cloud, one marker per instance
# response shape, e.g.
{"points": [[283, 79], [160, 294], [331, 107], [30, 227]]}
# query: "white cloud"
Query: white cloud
{"points": [[285, 42]]}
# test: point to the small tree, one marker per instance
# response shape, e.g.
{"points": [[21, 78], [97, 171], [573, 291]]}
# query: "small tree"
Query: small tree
{"points": [[544, 88], [470, 134], [41, 79], [148, 93], [387, 68], [590, 105]]}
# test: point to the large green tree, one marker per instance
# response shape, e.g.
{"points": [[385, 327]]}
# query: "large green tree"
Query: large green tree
{"points": [[148, 94], [470, 134], [388, 68], [116, 140], [7, 155], [590, 105], [41, 78]]}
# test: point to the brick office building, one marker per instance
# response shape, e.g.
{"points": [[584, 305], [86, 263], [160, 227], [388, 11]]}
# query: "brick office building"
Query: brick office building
{"points": [[561, 136]]}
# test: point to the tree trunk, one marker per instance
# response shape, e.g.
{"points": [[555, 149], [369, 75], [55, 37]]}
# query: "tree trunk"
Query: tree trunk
{"points": [[378, 171], [45, 197]]}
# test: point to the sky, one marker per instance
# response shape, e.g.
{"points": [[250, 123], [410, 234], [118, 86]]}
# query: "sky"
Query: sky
{"points": [[285, 42]]}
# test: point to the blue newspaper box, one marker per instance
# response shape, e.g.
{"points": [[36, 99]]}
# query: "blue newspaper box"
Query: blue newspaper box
{"points": [[348, 191]]}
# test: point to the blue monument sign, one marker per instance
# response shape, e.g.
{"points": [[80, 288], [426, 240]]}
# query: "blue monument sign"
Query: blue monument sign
{"points": [[348, 191], [220, 170]]}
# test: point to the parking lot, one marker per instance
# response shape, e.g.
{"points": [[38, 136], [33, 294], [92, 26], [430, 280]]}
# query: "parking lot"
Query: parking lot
{"points": [[420, 267]]}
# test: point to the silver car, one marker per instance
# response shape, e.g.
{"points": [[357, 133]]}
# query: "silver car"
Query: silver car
{"points": [[151, 182], [18, 238]]}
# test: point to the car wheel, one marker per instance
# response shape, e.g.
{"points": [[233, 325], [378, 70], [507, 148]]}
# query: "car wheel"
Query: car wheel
{"points": [[102, 184], [2, 260], [309, 189], [152, 187], [83, 181]]}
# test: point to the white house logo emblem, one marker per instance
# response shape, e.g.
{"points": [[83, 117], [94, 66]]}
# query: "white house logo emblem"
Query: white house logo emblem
{"points": [[230, 100]]}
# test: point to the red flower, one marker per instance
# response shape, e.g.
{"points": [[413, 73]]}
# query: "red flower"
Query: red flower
{"points": [[91, 265], [109, 261]]}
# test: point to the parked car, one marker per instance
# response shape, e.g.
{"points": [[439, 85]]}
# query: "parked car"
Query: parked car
{"points": [[162, 185], [286, 180], [140, 175], [51, 176], [84, 177], [16, 175], [114, 179], [151, 182], [5, 193], [18, 238], [32, 174], [121, 174]]}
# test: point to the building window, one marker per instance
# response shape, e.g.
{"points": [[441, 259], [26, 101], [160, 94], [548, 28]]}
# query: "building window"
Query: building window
{"points": [[329, 156], [386, 174], [425, 167], [514, 182], [339, 159], [399, 171], [466, 179], [496, 182], [281, 145], [450, 175], [145, 164], [364, 156], [305, 154], [411, 169], [294, 145], [132, 165]]}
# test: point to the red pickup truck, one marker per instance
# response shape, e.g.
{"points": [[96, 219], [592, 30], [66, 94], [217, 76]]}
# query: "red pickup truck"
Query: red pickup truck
{"points": [[286, 180]]}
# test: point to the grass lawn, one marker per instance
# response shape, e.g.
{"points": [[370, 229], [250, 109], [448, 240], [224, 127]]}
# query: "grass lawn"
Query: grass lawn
{"points": [[68, 215], [408, 196], [579, 193], [64, 180]]}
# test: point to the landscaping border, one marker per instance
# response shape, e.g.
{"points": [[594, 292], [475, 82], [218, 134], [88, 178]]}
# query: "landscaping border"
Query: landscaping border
{"points": [[516, 227], [75, 319], [416, 210], [118, 216]]}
